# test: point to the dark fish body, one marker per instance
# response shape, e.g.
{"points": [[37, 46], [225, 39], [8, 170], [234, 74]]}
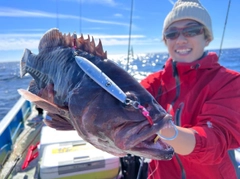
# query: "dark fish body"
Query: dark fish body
{"points": [[76, 102]]}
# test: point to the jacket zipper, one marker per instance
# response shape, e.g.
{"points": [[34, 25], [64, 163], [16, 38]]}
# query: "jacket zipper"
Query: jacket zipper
{"points": [[177, 114], [177, 122]]}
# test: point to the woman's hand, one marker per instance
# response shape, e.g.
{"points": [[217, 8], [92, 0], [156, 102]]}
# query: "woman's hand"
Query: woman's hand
{"points": [[185, 141]]}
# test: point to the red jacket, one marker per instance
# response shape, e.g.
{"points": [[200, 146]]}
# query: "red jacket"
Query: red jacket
{"points": [[207, 99]]}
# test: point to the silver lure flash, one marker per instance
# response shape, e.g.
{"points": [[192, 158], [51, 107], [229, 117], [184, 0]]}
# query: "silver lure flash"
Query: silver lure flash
{"points": [[100, 78]]}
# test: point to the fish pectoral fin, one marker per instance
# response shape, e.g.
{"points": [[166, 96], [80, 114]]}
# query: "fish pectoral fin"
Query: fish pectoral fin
{"points": [[56, 118], [42, 103], [58, 122]]}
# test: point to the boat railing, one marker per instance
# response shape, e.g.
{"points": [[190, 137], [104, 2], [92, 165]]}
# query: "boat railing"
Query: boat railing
{"points": [[11, 126]]}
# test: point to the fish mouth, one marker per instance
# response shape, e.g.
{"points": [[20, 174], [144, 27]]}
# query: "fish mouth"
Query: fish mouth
{"points": [[153, 147], [157, 150], [140, 140]]}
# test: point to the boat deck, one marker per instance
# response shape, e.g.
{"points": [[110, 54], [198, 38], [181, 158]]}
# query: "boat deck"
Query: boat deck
{"points": [[12, 169]]}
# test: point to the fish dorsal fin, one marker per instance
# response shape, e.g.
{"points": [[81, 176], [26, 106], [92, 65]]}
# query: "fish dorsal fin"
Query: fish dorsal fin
{"points": [[53, 39]]}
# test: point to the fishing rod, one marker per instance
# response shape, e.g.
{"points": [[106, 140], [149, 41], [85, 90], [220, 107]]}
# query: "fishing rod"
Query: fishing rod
{"points": [[220, 50], [129, 36]]}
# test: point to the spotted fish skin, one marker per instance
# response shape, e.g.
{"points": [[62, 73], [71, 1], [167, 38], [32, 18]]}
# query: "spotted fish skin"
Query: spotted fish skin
{"points": [[76, 102]]}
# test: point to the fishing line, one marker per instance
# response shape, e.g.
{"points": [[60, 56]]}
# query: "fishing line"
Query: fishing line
{"points": [[57, 13], [80, 15], [129, 37], [152, 171], [220, 50]]}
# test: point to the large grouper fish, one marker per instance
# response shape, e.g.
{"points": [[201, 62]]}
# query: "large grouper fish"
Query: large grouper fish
{"points": [[76, 102]]}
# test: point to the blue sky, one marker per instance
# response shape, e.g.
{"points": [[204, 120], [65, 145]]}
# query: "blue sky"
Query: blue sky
{"points": [[24, 22]]}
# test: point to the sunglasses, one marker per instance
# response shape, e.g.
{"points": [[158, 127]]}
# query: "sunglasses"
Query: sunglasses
{"points": [[186, 32]]}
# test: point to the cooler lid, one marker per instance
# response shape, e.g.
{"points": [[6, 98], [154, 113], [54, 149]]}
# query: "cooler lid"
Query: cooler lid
{"points": [[68, 158], [52, 136]]}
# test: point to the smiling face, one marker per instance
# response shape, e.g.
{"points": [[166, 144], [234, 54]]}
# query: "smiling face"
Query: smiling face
{"points": [[185, 48]]}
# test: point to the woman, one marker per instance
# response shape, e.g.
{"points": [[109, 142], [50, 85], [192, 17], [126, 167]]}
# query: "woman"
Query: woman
{"points": [[202, 96]]}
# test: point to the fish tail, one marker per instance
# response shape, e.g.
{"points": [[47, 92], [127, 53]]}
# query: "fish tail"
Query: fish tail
{"points": [[23, 62]]}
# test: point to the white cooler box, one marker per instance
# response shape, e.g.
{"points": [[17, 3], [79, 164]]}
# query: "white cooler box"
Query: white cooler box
{"points": [[52, 136], [75, 159]]}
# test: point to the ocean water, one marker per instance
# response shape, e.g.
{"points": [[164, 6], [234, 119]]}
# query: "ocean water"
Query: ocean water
{"points": [[139, 67]]}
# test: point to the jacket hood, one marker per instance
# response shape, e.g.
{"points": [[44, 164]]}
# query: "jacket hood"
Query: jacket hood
{"points": [[209, 61], [187, 72]]}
